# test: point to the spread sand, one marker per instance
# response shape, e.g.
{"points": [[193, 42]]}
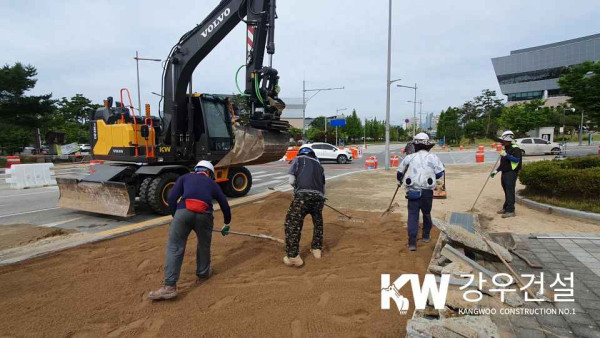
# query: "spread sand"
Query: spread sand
{"points": [[101, 289]]}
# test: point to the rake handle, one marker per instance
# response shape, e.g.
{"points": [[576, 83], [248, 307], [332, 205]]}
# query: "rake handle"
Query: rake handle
{"points": [[486, 181], [336, 210]]}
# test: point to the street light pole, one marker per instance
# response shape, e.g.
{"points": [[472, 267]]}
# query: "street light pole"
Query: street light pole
{"points": [[137, 65], [414, 107], [420, 102], [305, 101], [336, 128]]}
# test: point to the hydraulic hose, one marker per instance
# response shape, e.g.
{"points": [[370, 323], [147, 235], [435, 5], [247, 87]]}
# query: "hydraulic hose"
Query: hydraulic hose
{"points": [[236, 81], [256, 87]]}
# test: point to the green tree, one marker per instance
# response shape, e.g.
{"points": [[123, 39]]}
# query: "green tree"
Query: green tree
{"points": [[582, 84], [318, 122], [20, 114], [449, 125], [353, 128], [72, 117], [489, 106], [523, 117]]}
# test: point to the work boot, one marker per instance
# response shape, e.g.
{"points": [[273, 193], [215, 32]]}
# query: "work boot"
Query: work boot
{"points": [[426, 239], [509, 214], [203, 278], [316, 253], [501, 212], [165, 292], [296, 261], [412, 247]]}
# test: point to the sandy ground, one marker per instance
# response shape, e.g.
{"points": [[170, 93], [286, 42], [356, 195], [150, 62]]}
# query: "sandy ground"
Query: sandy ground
{"points": [[22, 234], [373, 190], [101, 289]]}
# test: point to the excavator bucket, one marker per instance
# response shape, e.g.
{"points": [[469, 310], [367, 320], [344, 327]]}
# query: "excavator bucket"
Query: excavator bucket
{"points": [[94, 194], [255, 146]]}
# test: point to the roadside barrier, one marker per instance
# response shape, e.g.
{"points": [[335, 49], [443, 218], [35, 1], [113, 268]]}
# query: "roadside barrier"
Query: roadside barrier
{"points": [[23, 176], [444, 147], [479, 157], [370, 164], [394, 161], [376, 162], [494, 145], [354, 151], [94, 163], [461, 147], [480, 148], [499, 147], [12, 160], [291, 153]]}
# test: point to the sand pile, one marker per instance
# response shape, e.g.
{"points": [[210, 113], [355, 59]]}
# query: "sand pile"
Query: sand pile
{"points": [[101, 289], [22, 234]]}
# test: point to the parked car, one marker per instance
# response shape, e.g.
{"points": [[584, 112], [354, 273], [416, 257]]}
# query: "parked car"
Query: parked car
{"points": [[85, 148], [328, 152], [537, 146]]}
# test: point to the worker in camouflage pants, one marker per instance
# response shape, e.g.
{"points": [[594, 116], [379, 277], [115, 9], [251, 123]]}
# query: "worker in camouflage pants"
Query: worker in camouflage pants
{"points": [[307, 177]]}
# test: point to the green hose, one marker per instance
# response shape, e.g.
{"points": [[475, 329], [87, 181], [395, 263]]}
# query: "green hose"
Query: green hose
{"points": [[236, 81], [256, 87]]}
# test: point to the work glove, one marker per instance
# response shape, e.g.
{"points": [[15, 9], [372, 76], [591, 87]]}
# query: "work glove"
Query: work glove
{"points": [[325, 199], [225, 230], [493, 174], [502, 153]]}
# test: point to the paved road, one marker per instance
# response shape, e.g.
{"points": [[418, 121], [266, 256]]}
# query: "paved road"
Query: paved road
{"points": [[39, 206]]}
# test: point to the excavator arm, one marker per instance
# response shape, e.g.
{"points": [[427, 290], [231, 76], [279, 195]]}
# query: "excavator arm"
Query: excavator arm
{"points": [[261, 82]]}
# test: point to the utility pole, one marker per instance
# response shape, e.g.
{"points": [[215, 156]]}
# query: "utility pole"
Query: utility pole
{"points": [[388, 85], [305, 101], [137, 59], [414, 107], [336, 128], [420, 102]]}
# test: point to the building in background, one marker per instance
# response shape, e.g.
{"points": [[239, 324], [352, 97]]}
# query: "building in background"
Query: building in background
{"points": [[293, 112], [431, 122], [532, 73]]}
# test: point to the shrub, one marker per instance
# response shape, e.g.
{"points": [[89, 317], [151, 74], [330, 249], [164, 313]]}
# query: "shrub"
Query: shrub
{"points": [[576, 178]]}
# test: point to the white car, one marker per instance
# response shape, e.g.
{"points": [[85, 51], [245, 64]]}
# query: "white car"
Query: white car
{"points": [[326, 151], [537, 146]]}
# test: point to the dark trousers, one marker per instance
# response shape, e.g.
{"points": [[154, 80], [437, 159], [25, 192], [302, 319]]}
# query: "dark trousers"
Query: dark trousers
{"points": [[302, 205], [423, 205], [183, 223], [509, 183]]}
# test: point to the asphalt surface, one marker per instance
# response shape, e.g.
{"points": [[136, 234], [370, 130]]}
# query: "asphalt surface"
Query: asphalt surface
{"points": [[38, 206]]}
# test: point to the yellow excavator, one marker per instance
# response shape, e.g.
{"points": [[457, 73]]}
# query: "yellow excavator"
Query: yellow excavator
{"points": [[145, 154]]}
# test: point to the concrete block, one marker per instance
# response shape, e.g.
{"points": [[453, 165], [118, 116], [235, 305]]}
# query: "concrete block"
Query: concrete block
{"points": [[527, 322], [589, 304], [585, 331], [466, 326], [473, 241]]}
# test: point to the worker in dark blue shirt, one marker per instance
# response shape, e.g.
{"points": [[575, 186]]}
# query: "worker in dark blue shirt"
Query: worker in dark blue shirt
{"points": [[190, 201]]}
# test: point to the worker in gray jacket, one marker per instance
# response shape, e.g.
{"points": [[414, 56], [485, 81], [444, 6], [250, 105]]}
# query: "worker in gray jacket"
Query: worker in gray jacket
{"points": [[307, 177]]}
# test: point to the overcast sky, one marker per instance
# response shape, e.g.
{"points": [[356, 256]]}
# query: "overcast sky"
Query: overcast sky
{"points": [[445, 47]]}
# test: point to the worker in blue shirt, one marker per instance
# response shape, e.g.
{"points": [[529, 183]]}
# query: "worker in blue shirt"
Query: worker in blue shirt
{"points": [[190, 201], [510, 164]]}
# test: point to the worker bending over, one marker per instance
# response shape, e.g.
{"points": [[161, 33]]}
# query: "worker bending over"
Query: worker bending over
{"points": [[510, 164], [420, 171], [190, 201], [307, 177]]}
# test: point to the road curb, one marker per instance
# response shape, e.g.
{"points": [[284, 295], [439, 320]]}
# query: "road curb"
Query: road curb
{"points": [[551, 209], [52, 245]]}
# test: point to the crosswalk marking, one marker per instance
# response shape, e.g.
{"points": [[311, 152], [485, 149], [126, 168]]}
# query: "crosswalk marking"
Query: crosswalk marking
{"points": [[258, 172], [272, 183], [280, 177], [265, 175]]}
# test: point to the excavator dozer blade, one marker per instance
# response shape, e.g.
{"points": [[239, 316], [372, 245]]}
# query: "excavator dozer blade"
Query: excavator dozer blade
{"points": [[255, 146], [109, 198]]}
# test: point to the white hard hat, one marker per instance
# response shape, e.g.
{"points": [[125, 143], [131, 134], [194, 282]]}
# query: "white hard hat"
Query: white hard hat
{"points": [[421, 136], [207, 165], [507, 136]]}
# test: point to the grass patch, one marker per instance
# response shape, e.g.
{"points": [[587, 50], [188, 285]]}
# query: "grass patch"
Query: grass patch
{"points": [[565, 202]]}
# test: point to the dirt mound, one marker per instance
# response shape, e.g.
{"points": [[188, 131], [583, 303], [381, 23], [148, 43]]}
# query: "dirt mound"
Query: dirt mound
{"points": [[101, 289], [21, 234]]}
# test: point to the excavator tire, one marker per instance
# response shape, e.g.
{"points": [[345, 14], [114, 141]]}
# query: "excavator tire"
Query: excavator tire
{"points": [[239, 183], [158, 191], [143, 192]]}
